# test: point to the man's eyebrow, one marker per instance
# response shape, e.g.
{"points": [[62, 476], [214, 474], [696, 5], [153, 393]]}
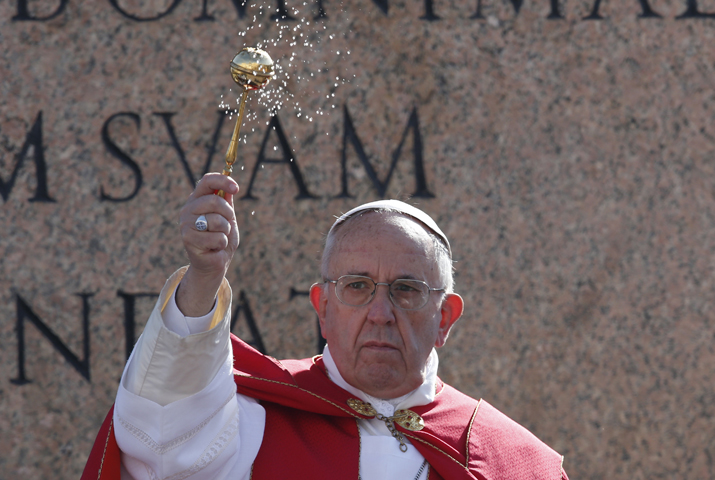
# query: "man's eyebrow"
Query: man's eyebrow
{"points": [[409, 276], [401, 276], [362, 274]]}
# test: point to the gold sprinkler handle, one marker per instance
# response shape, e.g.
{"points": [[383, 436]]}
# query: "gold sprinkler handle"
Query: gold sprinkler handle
{"points": [[251, 68], [232, 150]]}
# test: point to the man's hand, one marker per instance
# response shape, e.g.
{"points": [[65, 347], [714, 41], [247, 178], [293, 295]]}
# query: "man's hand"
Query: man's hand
{"points": [[210, 252]]}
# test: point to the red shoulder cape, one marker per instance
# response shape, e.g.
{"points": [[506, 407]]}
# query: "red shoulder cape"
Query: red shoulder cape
{"points": [[462, 439]]}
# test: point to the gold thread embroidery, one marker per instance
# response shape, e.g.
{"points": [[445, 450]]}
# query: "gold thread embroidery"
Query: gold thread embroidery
{"points": [[348, 412], [357, 420], [302, 390], [469, 432], [436, 448], [104, 453]]}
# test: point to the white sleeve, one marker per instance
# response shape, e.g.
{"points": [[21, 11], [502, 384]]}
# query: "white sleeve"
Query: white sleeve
{"points": [[177, 414], [182, 325]]}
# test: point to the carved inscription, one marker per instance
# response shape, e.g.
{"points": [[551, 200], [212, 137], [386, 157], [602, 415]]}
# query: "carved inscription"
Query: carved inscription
{"points": [[166, 117], [554, 13], [120, 155], [24, 312], [82, 365], [287, 158], [693, 12], [646, 11], [24, 11], [34, 140], [350, 136]]}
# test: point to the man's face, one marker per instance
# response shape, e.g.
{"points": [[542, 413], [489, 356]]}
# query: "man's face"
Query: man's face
{"points": [[380, 348]]}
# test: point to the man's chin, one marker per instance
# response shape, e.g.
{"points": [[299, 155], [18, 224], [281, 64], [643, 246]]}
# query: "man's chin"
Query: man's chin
{"points": [[382, 380]]}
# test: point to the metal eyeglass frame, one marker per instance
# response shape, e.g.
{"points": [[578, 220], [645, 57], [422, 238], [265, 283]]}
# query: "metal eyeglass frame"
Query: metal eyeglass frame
{"points": [[392, 298]]}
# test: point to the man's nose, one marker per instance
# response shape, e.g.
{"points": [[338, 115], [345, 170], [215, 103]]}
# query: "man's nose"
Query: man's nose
{"points": [[381, 309]]}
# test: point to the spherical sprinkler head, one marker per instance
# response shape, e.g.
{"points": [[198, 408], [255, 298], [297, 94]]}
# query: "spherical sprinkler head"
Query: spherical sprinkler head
{"points": [[252, 68]]}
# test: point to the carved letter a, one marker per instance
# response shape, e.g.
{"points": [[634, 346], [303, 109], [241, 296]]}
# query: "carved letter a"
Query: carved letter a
{"points": [[34, 139], [287, 159]]}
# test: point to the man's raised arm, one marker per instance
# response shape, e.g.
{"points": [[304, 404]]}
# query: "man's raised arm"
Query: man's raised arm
{"points": [[177, 412], [210, 251], [186, 339]]}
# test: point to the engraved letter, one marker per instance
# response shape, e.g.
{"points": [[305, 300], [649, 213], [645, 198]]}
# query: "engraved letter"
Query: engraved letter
{"points": [[429, 15], [34, 139], [240, 6], [692, 11], [553, 15], [117, 153], [25, 312], [350, 134], [646, 11], [166, 116], [23, 13], [287, 159], [166, 12], [280, 13], [383, 4]]}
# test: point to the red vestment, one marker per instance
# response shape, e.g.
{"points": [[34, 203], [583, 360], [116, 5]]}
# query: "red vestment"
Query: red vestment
{"points": [[311, 432]]}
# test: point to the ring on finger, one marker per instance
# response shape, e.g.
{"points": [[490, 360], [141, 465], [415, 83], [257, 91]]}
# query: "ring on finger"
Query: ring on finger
{"points": [[201, 224]]}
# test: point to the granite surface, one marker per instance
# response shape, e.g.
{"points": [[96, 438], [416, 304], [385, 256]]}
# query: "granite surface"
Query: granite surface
{"points": [[569, 160]]}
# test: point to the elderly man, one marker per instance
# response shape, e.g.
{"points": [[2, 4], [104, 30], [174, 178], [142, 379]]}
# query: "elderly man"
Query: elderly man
{"points": [[195, 402]]}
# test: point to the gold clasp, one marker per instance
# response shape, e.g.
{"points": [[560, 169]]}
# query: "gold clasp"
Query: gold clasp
{"points": [[407, 419], [361, 407]]}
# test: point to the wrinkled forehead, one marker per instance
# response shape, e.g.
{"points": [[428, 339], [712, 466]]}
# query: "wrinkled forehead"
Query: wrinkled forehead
{"points": [[397, 207], [384, 227], [375, 241]]}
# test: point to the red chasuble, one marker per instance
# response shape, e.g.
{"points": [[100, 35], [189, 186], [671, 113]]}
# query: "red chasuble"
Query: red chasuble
{"points": [[312, 432]]}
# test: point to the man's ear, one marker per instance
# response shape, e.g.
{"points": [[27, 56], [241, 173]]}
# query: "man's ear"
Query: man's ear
{"points": [[319, 300], [452, 308]]}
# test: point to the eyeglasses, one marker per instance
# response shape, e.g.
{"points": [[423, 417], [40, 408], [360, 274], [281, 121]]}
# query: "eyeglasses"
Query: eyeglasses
{"points": [[407, 294]]}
